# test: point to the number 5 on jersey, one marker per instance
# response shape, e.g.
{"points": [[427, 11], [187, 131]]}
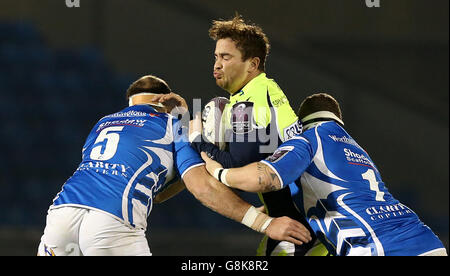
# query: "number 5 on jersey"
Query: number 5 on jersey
{"points": [[105, 151]]}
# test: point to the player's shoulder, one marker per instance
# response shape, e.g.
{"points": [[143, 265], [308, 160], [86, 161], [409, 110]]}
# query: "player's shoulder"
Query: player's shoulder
{"points": [[136, 112], [311, 135], [331, 129], [257, 88], [129, 111], [326, 126], [298, 139], [267, 87], [330, 133]]}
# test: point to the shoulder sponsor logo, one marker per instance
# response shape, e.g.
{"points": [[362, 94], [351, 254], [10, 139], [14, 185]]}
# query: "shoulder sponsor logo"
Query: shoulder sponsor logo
{"points": [[292, 130], [279, 154], [280, 101], [344, 139], [131, 113]]}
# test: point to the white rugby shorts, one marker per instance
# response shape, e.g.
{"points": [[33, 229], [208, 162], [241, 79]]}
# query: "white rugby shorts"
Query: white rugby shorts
{"points": [[77, 231]]}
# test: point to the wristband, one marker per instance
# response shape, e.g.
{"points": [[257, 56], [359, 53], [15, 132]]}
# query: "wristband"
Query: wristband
{"points": [[216, 173], [220, 174], [223, 177]]}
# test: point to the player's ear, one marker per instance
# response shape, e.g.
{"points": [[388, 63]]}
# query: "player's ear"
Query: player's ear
{"points": [[254, 64]]}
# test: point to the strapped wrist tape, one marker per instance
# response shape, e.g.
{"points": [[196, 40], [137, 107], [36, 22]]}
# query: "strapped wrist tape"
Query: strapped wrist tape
{"points": [[256, 220]]}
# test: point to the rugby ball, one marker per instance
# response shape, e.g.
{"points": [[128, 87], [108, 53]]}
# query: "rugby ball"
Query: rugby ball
{"points": [[213, 129]]}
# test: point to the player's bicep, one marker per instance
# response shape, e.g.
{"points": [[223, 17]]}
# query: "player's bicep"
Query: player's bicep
{"points": [[290, 160], [268, 178], [169, 192]]}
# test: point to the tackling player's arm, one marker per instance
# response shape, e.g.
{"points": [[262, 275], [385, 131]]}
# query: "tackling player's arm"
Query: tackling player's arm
{"points": [[170, 191], [284, 166], [223, 200], [255, 177], [195, 137]]}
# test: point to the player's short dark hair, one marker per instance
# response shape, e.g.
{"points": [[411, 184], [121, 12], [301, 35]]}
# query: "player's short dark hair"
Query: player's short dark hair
{"points": [[319, 102], [150, 84], [250, 39]]}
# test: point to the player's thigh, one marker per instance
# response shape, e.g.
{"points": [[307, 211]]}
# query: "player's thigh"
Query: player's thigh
{"points": [[318, 249], [60, 236], [103, 235]]}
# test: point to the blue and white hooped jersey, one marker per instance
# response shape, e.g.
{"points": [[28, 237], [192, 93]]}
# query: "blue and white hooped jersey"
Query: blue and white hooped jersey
{"points": [[129, 157], [344, 198]]}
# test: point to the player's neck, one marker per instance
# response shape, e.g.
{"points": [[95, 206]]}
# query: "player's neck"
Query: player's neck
{"points": [[249, 78], [147, 99]]}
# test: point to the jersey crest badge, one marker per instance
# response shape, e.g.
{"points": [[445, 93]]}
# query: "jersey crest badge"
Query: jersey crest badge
{"points": [[241, 117]]}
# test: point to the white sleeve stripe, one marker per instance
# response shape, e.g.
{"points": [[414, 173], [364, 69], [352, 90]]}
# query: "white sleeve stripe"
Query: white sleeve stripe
{"points": [[191, 167], [299, 138], [270, 165]]}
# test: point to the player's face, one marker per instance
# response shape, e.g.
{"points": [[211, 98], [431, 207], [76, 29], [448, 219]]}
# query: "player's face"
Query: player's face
{"points": [[230, 72]]}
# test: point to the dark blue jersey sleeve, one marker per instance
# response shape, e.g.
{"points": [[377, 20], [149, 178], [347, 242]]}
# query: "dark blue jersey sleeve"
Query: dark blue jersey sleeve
{"points": [[223, 157], [240, 152]]}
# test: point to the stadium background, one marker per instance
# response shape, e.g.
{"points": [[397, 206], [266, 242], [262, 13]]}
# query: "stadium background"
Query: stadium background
{"points": [[61, 69]]}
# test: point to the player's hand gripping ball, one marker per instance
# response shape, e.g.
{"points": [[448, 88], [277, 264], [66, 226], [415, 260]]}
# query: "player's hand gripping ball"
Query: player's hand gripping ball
{"points": [[213, 127]]}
